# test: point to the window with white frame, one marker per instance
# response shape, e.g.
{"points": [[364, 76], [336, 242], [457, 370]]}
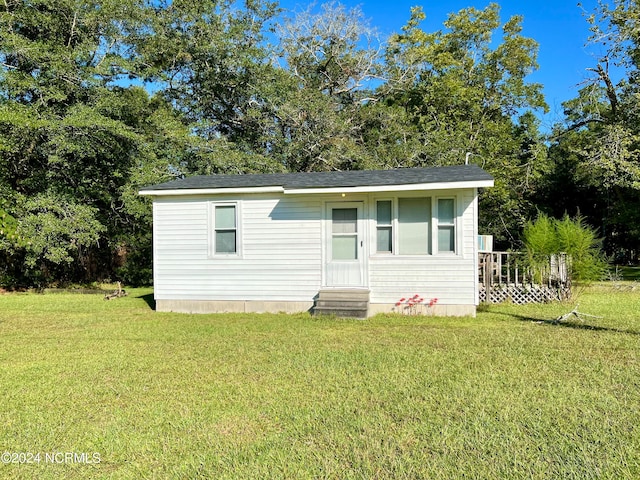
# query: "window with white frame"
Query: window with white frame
{"points": [[446, 225], [225, 229], [405, 225], [384, 226], [414, 221]]}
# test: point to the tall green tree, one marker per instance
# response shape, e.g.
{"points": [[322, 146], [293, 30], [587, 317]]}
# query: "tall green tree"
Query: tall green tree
{"points": [[466, 94], [596, 150], [211, 62], [332, 56], [73, 139], [289, 105]]}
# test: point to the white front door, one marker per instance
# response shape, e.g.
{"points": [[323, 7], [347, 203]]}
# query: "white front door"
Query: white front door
{"points": [[345, 252]]}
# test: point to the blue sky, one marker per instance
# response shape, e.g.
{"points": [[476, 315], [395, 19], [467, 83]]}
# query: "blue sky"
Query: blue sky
{"points": [[559, 26]]}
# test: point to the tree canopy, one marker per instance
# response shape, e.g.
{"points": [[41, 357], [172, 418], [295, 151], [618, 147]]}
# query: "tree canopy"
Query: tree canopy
{"points": [[595, 152], [101, 97]]}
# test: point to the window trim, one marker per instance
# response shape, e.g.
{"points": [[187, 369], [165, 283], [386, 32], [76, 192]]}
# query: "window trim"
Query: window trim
{"points": [[429, 226], [438, 224], [212, 230], [392, 225], [433, 226]]}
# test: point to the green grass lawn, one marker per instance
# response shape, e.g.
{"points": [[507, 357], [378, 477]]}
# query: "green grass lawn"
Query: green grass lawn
{"points": [[158, 395], [629, 273]]}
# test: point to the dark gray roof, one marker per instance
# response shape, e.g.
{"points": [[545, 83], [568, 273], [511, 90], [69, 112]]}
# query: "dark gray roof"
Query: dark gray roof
{"points": [[352, 178]]}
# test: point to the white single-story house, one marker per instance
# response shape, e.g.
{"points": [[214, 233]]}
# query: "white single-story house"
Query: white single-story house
{"points": [[352, 243]]}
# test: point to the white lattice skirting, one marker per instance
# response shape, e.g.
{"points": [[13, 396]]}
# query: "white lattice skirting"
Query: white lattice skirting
{"points": [[521, 294]]}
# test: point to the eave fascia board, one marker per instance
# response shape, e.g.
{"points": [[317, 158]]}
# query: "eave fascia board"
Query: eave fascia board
{"points": [[392, 188], [209, 191], [328, 190]]}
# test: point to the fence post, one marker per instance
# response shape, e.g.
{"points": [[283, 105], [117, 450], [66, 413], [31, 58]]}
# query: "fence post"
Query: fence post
{"points": [[488, 273]]}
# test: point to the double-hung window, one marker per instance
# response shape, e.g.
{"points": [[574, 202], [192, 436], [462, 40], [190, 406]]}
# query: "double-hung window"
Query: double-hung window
{"points": [[406, 225], [414, 225], [446, 225], [384, 226], [225, 229]]}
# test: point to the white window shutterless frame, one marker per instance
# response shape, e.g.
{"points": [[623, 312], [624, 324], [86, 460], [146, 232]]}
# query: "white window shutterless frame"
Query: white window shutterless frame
{"points": [[224, 229], [446, 230], [384, 226], [414, 225]]}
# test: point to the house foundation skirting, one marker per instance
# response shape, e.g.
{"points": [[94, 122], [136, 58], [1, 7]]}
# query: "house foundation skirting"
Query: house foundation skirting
{"points": [[255, 306], [231, 306], [521, 294], [424, 310]]}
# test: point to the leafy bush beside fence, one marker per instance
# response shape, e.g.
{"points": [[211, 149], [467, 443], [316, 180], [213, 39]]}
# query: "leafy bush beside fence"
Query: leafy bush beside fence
{"points": [[547, 236]]}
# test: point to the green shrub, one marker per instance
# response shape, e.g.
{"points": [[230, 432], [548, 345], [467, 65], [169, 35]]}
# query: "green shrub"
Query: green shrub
{"points": [[572, 236], [540, 237]]}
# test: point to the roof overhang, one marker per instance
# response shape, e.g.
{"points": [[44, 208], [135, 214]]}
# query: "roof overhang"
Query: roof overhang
{"points": [[210, 191], [392, 188], [321, 190]]}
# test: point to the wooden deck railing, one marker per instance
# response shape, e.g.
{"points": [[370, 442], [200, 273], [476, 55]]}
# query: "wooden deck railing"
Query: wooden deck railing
{"points": [[507, 276]]}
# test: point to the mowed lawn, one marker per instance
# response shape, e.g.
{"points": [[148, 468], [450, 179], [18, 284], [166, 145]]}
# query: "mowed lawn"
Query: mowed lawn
{"points": [[134, 393]]}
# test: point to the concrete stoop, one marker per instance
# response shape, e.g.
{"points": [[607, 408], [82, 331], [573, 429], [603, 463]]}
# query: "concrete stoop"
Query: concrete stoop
{"points": [[344, 302]]}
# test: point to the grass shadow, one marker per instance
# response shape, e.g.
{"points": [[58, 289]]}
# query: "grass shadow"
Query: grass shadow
{"points": [[577, 325], [148, 298]]}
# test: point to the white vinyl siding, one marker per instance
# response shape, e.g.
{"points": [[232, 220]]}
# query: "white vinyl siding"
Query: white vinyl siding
{"points": [[450, 279], [281, 250]]}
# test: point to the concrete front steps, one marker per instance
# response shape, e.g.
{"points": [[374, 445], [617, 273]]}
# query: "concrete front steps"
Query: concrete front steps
{"points": [[342, 302]]}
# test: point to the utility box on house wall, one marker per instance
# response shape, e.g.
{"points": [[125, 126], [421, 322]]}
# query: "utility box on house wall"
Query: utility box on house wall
{"points": [[485, 243]]}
